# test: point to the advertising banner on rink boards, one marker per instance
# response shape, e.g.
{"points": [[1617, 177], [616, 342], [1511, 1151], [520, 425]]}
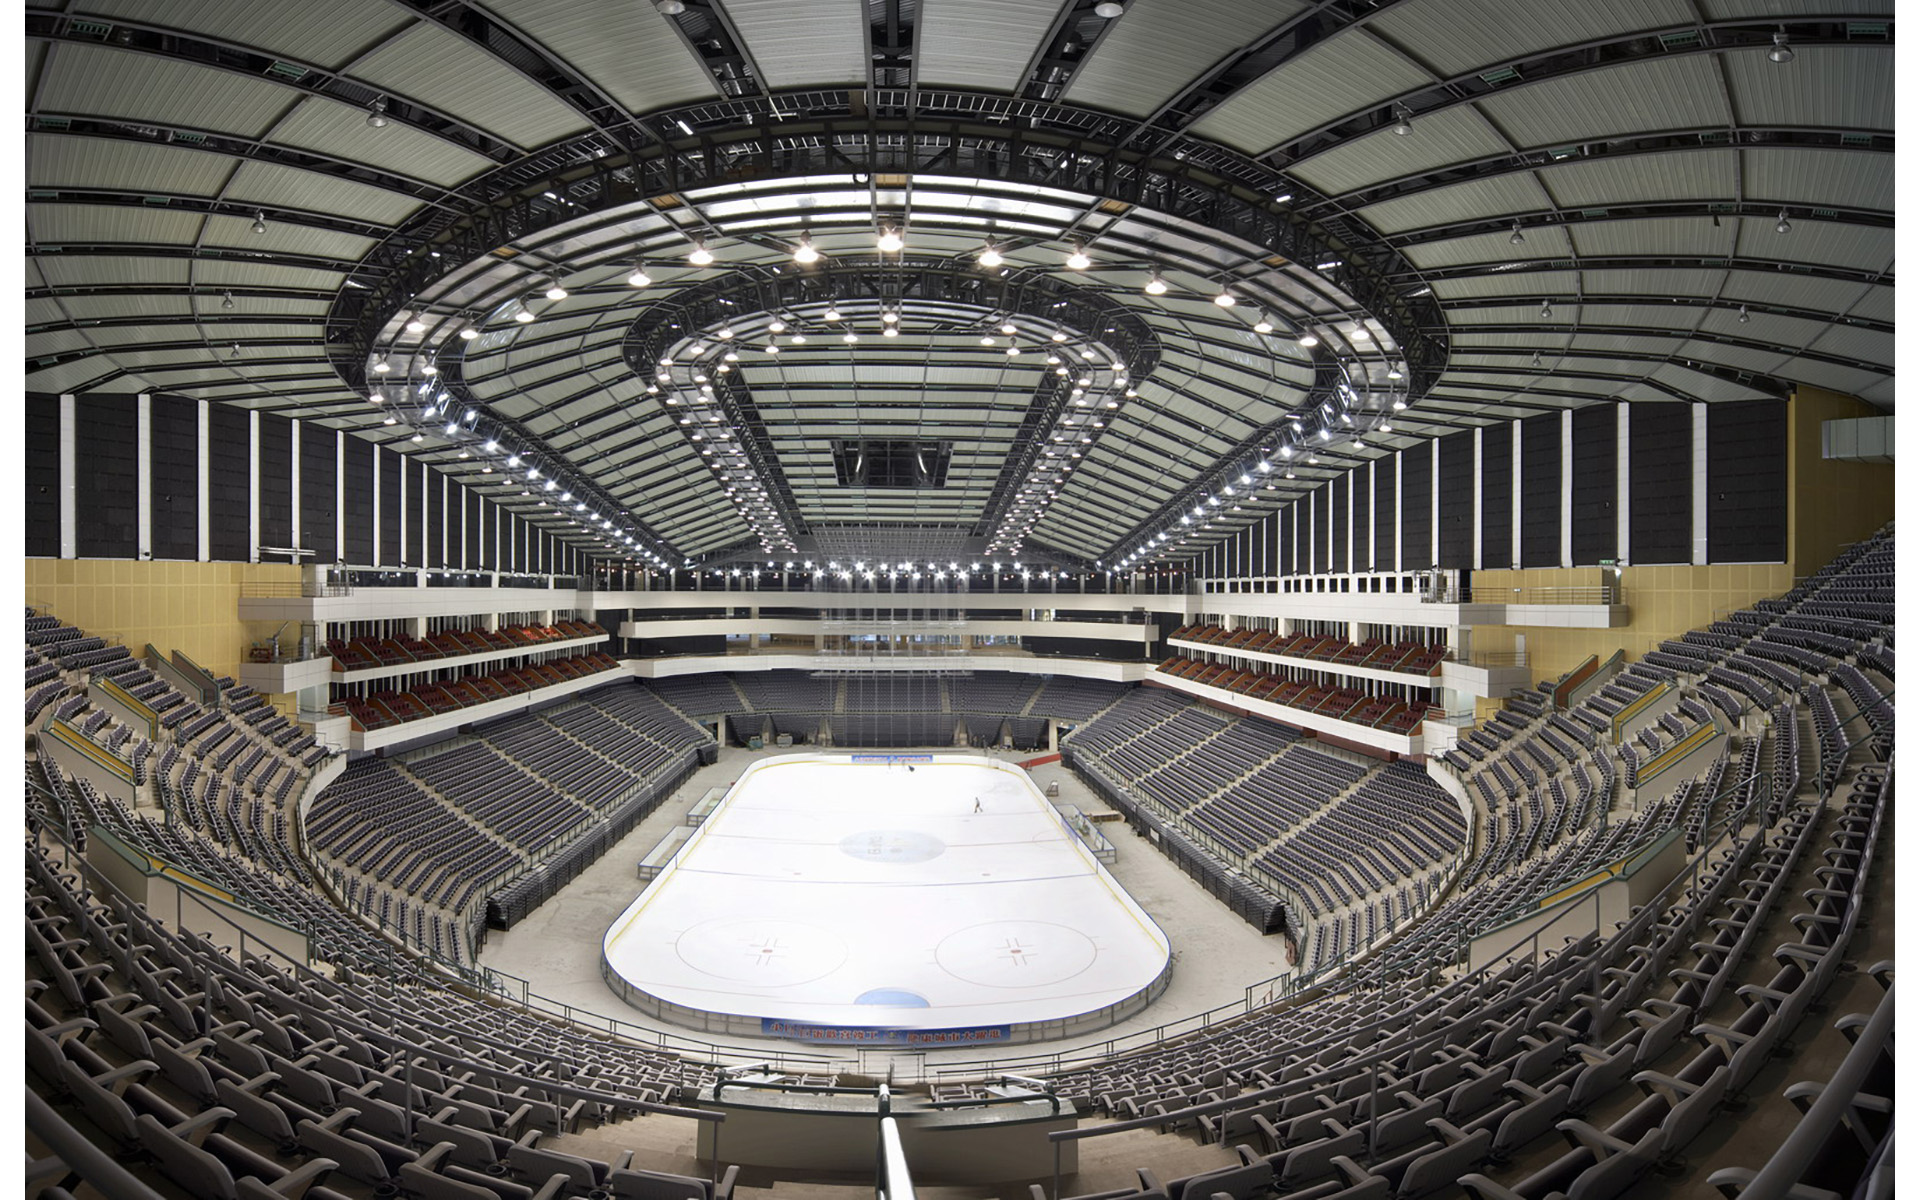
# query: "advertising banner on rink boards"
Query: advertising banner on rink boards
{"points": [[847, 1035]]}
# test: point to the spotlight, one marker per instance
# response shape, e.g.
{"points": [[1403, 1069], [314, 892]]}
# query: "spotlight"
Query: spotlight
{"points": [[1078, 260], [377, 117], [555, 291], [468, 333], [1109, 9], [1781, 52], [700, 256], [381, 367], [1783, 225], [990, 255], [1225, 299], [1403, 123], [1309, 341], [416, 325], [1155, 286], [669, 8], [259, 222], [1743, 314], [1516, 237], [1263, 326], [803, 251], [524, 316], [1546, 309], [889, 241], [639, 278]]}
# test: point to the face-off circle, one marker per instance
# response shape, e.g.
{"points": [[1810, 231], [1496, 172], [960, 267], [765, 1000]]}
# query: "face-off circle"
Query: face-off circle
{"points": [[1015, 954], [766, 953]]}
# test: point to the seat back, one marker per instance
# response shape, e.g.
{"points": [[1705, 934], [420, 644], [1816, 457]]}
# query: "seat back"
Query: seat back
{"points": [[194, 1169]]}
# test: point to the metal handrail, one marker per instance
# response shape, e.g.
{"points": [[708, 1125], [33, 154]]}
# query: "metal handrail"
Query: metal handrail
{"points": [[895, 1180], [103, 1172]]}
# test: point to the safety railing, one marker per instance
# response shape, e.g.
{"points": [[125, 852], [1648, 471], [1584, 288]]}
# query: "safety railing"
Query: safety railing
{"points": [[292, 591]]}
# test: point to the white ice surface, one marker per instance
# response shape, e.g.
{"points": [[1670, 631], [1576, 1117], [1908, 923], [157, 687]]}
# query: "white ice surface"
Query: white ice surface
{"points": [[819, 881]]}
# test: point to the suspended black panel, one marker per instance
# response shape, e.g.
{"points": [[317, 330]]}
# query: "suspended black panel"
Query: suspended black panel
{"points": [[43, 475], [1747, 481], [1416, 508], [1496, 496], [414, 553], [1362, 519], [1456, 501], [1596, 484], [1338, 524], [1660, 483], [173, 476], [106, 473], [434, 521], [357, 459], [229, 471], [1540, 491], [319, 491], [391, 464], [1386, 514], [276, 482]]}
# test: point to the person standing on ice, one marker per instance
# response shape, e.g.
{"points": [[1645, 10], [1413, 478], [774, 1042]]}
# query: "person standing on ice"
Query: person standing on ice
{"points": [[976, 804]]}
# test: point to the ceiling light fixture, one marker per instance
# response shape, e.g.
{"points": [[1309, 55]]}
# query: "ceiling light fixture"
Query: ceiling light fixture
{"points": [[1309, 341], [1783, 225], [669, 8], [416, 325], [1078, 260], [1743, 314], [1781, 52], [1263, 326], [226, 300], [1516, 237], [700, 256], [889, 241], [524, 316], [377, 114], [468, 333], [990, 255], [803, 251], [1109, 9], [1403, 120], [639, 278], [1155, 285], [259, 222], [555, 291], [1225, 299], [1546, 309]]}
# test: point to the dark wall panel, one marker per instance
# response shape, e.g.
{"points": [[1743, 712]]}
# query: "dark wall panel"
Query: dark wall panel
{"points": [[1318, 514], [1456, 501], [1283, 535], [319, 469], [391, 553], [1336, 492], [434, 521], [479, 532], [1596, 484], [1540, 491], [1416, 508], [174, 477], [414, 552], [229, 472], [1386, 513], [358, 500], [1660, 483], [43, 476], [1496, 496], [1362, 519], [1747, 481], [106, 473], [276, 481]]}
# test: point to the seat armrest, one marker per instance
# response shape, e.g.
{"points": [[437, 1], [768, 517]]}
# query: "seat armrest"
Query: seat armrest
{"points": [[724, 1189], [120, 1078], [1602, 1144], [294, 1184], [1486, 1189], [1353, 1172], [194, 1130]]}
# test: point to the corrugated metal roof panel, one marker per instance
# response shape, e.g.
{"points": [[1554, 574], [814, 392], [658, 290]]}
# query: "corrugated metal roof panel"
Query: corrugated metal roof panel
{"points": [[1457, 36], [328, 34], [1706, 387], [54, 224], [1854, 246], [1450, 136], [1654, 236], [1643, 178], [979, 43], [55, 161], [628, 49], [55, 341], [447, 72], [1879, 394], [1344, 74], [1794, 290], [141, 87], [1740, 358], [286, 238], [1863, 345], [1160, 46], [1669, 93], [1506, 283], [1770, 10], [1823, 178], [1875, 305], [1638, 316], [1610, 343], [1477, 198], [1549, 243], [1659, 281], [218, 273], [340, 130], [1831, 87], [61, 272], [76, 374], [275, 186], [798, 43]]}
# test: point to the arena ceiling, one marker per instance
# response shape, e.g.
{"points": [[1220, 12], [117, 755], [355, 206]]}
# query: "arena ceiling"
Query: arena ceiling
{"points": [[1430, 214]]}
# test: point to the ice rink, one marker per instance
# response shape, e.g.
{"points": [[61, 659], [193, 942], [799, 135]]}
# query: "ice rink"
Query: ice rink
{"points": [[832, 899]]}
